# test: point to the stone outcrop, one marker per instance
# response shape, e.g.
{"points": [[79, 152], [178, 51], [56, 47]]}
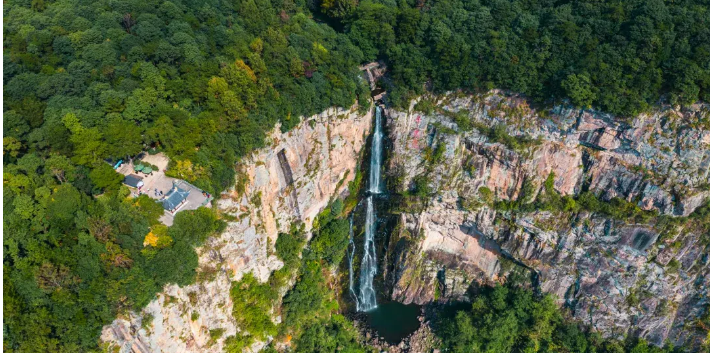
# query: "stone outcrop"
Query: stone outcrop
{"points": [[648, 279], [290, 181]]}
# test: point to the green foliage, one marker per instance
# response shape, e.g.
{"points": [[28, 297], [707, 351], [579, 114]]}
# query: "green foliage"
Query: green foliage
{"points": [[288, 246], [334, 335], [73, 262], [579, 89], [425, 106], [338, 8], [85, 82], [620, 57], [500, 134], [330, 235], [205, 81], [615, 208], [253, 303], [307, 299], [673, 266], [434, 156], [104, 177], [486, 194], [463, 121], [149, 208], [237, 343], [354, 191], [216, 334], [104, 79], [147, 322], [511, 319], [330, 241], [421, 186], [550, 200], [307, 308]]}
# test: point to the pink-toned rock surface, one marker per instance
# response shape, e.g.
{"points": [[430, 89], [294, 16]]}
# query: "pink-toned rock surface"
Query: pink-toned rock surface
{"points": [[594, 264], [272, 192]]}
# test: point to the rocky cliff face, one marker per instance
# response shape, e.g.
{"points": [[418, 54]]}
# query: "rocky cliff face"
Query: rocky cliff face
{"points": [[649, 277], [291, 180]]}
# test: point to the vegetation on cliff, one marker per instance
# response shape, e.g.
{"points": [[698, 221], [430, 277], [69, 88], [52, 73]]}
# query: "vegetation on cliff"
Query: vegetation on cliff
{"points": [[511, 319], [309, 309]]}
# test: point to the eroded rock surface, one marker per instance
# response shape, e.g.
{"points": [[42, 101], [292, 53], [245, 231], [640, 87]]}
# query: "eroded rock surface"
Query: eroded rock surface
{"points": [[619, 277], [291, 180]]}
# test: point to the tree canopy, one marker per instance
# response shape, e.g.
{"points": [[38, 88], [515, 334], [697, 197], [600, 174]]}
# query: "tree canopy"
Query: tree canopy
{"points": [[617, 56]]}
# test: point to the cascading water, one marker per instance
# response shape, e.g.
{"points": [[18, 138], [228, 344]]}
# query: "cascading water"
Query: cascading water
{"points": [[351, 255], [368, 268], [366, 299], [376, 156]]}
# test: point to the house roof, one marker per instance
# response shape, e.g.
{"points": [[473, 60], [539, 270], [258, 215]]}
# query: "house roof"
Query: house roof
{"points": [[133, 180], [174, 198]]}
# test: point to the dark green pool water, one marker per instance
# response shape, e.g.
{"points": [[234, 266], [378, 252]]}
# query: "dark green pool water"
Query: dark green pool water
{"points": [[394, 321]]}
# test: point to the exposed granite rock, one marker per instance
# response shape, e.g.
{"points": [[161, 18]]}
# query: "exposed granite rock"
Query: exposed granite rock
{"points": [[665, 165], [619, 278], [291, 180]]}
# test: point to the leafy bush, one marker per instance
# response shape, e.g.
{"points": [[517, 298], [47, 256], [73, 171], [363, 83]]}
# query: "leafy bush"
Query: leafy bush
{"points": [[486, 194], [421, 186], [253, 303], [334, 335], [433, 156], [330, 241], [289, 245], [309, 298], [237, 343], [425, 106]]}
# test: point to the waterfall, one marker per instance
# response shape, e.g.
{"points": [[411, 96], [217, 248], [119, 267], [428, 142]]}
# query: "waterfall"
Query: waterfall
{"points": [[376, 157], [366, 299], [368, 267], [351, 255]]}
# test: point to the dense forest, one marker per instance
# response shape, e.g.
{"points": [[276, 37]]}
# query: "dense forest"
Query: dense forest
{"points": [[619, 56], [87, 82]]}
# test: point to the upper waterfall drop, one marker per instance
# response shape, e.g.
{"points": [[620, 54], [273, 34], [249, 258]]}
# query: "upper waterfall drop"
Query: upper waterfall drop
{"points": [[376, 157]]}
